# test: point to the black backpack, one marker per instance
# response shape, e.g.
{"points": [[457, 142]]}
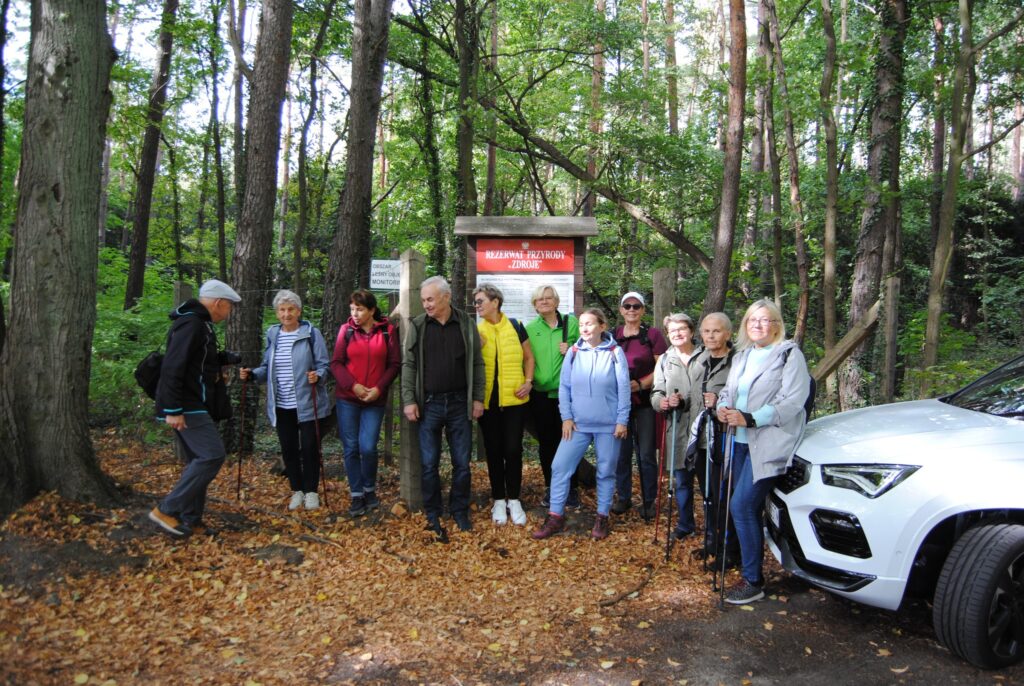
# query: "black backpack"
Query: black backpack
{"points": [[147, 373]]}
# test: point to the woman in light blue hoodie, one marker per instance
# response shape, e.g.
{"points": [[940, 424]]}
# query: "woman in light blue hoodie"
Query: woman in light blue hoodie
{"points": [[594, 401]]}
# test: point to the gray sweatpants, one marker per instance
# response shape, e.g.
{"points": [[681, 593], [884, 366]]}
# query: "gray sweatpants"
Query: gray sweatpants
{"points": [[204, 455]]}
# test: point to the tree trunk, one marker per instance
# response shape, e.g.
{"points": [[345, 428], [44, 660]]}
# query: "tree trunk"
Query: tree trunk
{"points": [[204, 193], [778, 284], [253, 237], [718, 276], [179, 266], [148, 157], [282, 217], [1016, 161], [238, 84], [757, 167], [299, 240], [218, 148], [467, 39], [938, 128], [828, 120], [438, 252], [44, 418], [672, 76], [596, 113], [101, 224], [882, 181], [349, 262], [795, 199], [490, 188], [891, 268]]}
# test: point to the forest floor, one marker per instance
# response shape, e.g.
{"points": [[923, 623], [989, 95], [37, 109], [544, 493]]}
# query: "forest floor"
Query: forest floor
{"points": [[96, 596]]}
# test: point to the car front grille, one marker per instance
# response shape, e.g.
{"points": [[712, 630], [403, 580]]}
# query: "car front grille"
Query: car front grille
{"points": [[841, 533], [798, 474]]}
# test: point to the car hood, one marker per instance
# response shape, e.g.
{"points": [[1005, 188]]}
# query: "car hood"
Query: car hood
{"points": [[911, 432]]}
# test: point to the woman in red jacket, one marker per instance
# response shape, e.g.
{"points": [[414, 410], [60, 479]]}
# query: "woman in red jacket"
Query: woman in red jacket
{"points": [[365, 362]]}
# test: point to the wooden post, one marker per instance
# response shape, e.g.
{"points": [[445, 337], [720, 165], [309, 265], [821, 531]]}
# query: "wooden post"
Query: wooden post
{"points": [[664, 294], [414, 267]]}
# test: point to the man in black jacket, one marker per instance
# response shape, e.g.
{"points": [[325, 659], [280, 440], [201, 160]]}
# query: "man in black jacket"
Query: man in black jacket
{"points": [[186, 399]]}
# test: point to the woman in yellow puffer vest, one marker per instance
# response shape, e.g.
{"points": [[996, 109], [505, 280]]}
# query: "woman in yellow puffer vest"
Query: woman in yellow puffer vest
{"points": [[508, 363]]}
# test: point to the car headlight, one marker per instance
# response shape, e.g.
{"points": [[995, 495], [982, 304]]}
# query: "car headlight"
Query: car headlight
{"points": [[870, 480]]}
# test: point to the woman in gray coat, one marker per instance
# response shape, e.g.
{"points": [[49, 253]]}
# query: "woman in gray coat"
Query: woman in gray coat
{"points": [[763, 402], [295, 366]]}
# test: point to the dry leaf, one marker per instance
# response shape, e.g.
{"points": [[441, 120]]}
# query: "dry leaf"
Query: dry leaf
{"points": [[81, 678], [899, 670], [607, 664], [807, 649], [884, 652], [768, 626]]}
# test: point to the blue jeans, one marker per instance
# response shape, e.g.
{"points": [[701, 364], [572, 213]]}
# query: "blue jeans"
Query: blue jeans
{"points": [[359, 429], [450, 413], [568, 457], [747, 508], [684, 500], [641, 436]]}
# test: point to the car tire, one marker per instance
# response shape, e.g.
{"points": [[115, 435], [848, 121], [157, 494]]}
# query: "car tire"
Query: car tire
{"points": [[979, 600]]}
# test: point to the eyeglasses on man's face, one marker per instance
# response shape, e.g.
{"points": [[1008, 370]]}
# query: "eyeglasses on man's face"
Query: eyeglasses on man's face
{"points": [[632, 306]]}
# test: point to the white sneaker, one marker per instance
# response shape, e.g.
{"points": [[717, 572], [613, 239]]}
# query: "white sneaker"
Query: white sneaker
{"points": [[498, 512], [312, 501], [296, 501], [515, 510]]}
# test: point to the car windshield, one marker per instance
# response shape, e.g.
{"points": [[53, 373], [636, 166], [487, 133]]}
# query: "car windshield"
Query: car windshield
{"points": [[1000, 392]]}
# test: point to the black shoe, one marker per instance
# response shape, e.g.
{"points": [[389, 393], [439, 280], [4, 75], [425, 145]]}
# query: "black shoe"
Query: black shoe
{"points": [[679, 534], [462, 521], [440, 535], [358, 506], [545, 502], [198, 529], [648, 512], [372, 501], [621, 506], [573, 501], [744, 592]]}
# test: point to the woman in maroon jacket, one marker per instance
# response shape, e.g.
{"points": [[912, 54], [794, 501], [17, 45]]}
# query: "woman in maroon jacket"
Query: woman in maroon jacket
{"points": [[366, 360]]}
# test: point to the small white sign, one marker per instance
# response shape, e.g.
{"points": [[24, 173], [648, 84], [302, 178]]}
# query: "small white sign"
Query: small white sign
{"points": [[385, 275]]}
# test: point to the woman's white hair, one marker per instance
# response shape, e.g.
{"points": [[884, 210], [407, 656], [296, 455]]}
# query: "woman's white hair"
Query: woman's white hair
{"points": [[286, 296]]}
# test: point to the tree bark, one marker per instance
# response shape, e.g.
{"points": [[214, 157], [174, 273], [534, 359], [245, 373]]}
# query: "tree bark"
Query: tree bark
{"points": [[349, 262], [299, 240], [218, 148], [1016, 161], [795, 198], [938, 128], [148, 157], [757, 165], [253, 237], [490, 187], [880, 199], [179, 266], [778, 283], [438, 251], [718, 276], [828, 121], [672, 76], [467, 39], [237, 35], [44, 427], [596, 113]]}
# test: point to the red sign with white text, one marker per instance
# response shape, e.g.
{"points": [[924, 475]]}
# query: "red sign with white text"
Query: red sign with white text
{"points": [[523, 255]]}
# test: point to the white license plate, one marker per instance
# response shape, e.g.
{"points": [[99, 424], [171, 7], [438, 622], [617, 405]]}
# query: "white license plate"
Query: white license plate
{"points": [[773, 514]]}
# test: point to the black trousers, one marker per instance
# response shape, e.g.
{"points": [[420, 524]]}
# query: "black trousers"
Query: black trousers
{"points": [[502, 429], [547, 422], [299, 450]]}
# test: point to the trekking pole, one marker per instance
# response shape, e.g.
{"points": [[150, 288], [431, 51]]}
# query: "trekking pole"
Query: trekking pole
{"points": [[730, 438], [319, 452], [671, 479], [709, 534], [241, 440], [661, 474]]}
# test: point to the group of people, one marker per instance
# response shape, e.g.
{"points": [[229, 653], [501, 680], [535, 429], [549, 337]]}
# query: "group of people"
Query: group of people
{"points": [[737, 412]]}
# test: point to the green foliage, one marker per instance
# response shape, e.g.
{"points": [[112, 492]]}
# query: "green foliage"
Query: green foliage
{"points": [[122, 338]]}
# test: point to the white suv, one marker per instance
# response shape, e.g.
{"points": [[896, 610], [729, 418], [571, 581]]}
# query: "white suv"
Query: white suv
{"points": [[920, 498]]}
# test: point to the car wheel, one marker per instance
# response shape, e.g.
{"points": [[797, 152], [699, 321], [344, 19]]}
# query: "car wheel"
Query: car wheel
{"points": [[979, 600]]}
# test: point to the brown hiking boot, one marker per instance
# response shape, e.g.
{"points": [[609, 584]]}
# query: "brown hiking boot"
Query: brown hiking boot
{"points": [[554, 524], [601, 528]]}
